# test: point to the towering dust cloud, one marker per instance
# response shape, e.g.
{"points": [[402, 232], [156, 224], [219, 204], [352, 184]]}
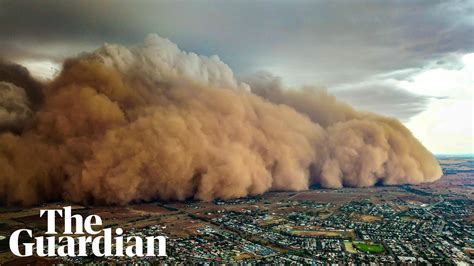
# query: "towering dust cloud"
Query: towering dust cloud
{"points": [[154, 122]]}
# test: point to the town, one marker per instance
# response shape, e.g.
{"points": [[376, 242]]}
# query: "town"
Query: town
{"points": [[430, 223]]}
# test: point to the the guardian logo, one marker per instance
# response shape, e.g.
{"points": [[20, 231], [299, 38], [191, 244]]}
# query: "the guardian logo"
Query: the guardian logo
{"points": [[74, 243]]}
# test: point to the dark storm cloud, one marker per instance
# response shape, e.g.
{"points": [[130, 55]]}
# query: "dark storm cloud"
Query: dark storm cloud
{"points": [[13, 52], [385, 99], [306, 42], [372, 34]]}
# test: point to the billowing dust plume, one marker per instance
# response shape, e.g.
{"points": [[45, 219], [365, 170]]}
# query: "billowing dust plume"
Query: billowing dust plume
{"points": [[154, 122], [20, 96]]}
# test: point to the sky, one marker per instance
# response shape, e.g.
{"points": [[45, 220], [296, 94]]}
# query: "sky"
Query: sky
{"points": [[413, 60]]}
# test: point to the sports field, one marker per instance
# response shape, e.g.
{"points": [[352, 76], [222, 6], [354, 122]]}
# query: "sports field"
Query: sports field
{"points": [[370, 248]]}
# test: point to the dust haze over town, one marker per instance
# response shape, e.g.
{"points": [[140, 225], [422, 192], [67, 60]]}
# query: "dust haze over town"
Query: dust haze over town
{"points": [[293, 155]]}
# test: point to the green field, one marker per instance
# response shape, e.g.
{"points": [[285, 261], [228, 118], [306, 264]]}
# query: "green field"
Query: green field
{"points": [[370, 248]]}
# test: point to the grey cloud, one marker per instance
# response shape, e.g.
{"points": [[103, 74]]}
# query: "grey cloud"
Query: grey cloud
{"points": [[402, 74], [324, 42], [15, 52], [450, 61], [385, 99]]}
